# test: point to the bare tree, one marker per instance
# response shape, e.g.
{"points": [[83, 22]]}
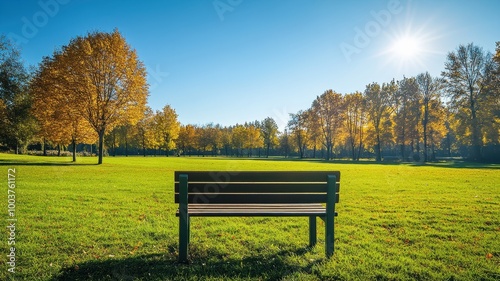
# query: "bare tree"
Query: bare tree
{"points": [[406, 107], [429, 89], [466, 75]]}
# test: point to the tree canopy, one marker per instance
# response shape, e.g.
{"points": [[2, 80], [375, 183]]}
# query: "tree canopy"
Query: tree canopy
{"points": [[98, 78]]}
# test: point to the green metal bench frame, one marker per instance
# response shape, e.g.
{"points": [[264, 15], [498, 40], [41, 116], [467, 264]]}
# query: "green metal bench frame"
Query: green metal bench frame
{"points": [[257, 194]]}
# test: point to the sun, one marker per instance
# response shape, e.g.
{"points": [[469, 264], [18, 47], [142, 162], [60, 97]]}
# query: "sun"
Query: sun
{"points": [[406, 47], [407, 51]]}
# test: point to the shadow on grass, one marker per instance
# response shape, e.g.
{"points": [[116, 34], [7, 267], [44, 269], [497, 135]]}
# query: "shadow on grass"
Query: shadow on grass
{"points": [[211, 266], [439, 164], [28, 163]]}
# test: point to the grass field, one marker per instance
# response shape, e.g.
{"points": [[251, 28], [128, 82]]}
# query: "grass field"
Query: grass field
{"points": [[117, 221]]}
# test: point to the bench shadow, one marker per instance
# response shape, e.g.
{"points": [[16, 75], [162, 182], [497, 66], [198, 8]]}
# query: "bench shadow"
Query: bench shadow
{"points": [[27, 163], [211, 266]]}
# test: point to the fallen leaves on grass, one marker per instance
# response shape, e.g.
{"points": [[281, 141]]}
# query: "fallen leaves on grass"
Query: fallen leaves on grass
{"points": [[136, 247]]}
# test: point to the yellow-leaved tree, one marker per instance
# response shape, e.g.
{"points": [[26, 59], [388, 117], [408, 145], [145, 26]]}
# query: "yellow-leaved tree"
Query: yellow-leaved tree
{"points": [[166, 127], [355, 121], [104, 80], [59, 119], [328, 110]]}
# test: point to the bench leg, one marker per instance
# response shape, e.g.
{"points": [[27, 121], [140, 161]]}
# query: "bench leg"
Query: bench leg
{"points": [[330, 215], [183, 238], [189, 230], [329, 236], [312, 231], [183, 220]]}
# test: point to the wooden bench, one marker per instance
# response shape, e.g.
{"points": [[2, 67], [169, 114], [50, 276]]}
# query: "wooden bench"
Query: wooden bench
{"points": [[257, 194]]}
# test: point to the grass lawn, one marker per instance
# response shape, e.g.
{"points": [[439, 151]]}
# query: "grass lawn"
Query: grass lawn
{"points": [[117, 221]]}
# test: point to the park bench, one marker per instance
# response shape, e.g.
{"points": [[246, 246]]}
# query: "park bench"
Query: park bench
{"points": [[257, 194]]}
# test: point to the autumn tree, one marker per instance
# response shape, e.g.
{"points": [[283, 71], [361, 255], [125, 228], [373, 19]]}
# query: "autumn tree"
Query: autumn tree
{"points": [[436, 129], [143, 127], [202, 139], [214, 133], [298, 130], [449, 143], [187, 138], [314, 130], [226, 139], [378, 107], [466, 74], [106, 80], [491, 114], [406, 106], [285, 143], [122, 137], [429, 90], [252, 137], [269, 133], [238, 138], [355, 120], [60, 121], [166, 127], [328, 111]]}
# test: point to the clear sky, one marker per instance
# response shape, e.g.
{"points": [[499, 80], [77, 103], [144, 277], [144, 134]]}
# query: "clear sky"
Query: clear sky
{"points": [[232, 61]]}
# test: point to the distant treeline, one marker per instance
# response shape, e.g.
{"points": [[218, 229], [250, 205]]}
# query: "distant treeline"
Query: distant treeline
{"points": [[49, 111]]}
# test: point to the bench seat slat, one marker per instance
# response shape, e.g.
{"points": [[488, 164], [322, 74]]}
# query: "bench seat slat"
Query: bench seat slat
{"points": [[257, 176], [249, 198], [246, 187], [256, 206], [255, 210]]}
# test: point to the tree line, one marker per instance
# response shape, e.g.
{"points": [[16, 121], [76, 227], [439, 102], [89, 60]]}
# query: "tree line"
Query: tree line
{"points": [[94, 91]]}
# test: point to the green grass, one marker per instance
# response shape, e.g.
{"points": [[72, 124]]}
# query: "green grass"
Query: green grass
{"points": [[117, 221]]}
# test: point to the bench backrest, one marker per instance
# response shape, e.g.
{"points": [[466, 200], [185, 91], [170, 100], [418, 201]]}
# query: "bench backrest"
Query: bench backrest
{"points": [[257, 187]]}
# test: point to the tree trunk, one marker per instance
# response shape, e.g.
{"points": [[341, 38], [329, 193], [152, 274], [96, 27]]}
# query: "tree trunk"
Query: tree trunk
{"points": [[378, 151], [44, 148], [353, 150], [126, 147], [426, 119], [113, 146], [328, 151], [73, 142], [143, 147], [476, 139], [360, 147], [101, 145]]}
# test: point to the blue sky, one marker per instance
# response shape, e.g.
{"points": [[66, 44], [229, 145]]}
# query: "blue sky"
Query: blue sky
{"points": [[232, 61]]}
